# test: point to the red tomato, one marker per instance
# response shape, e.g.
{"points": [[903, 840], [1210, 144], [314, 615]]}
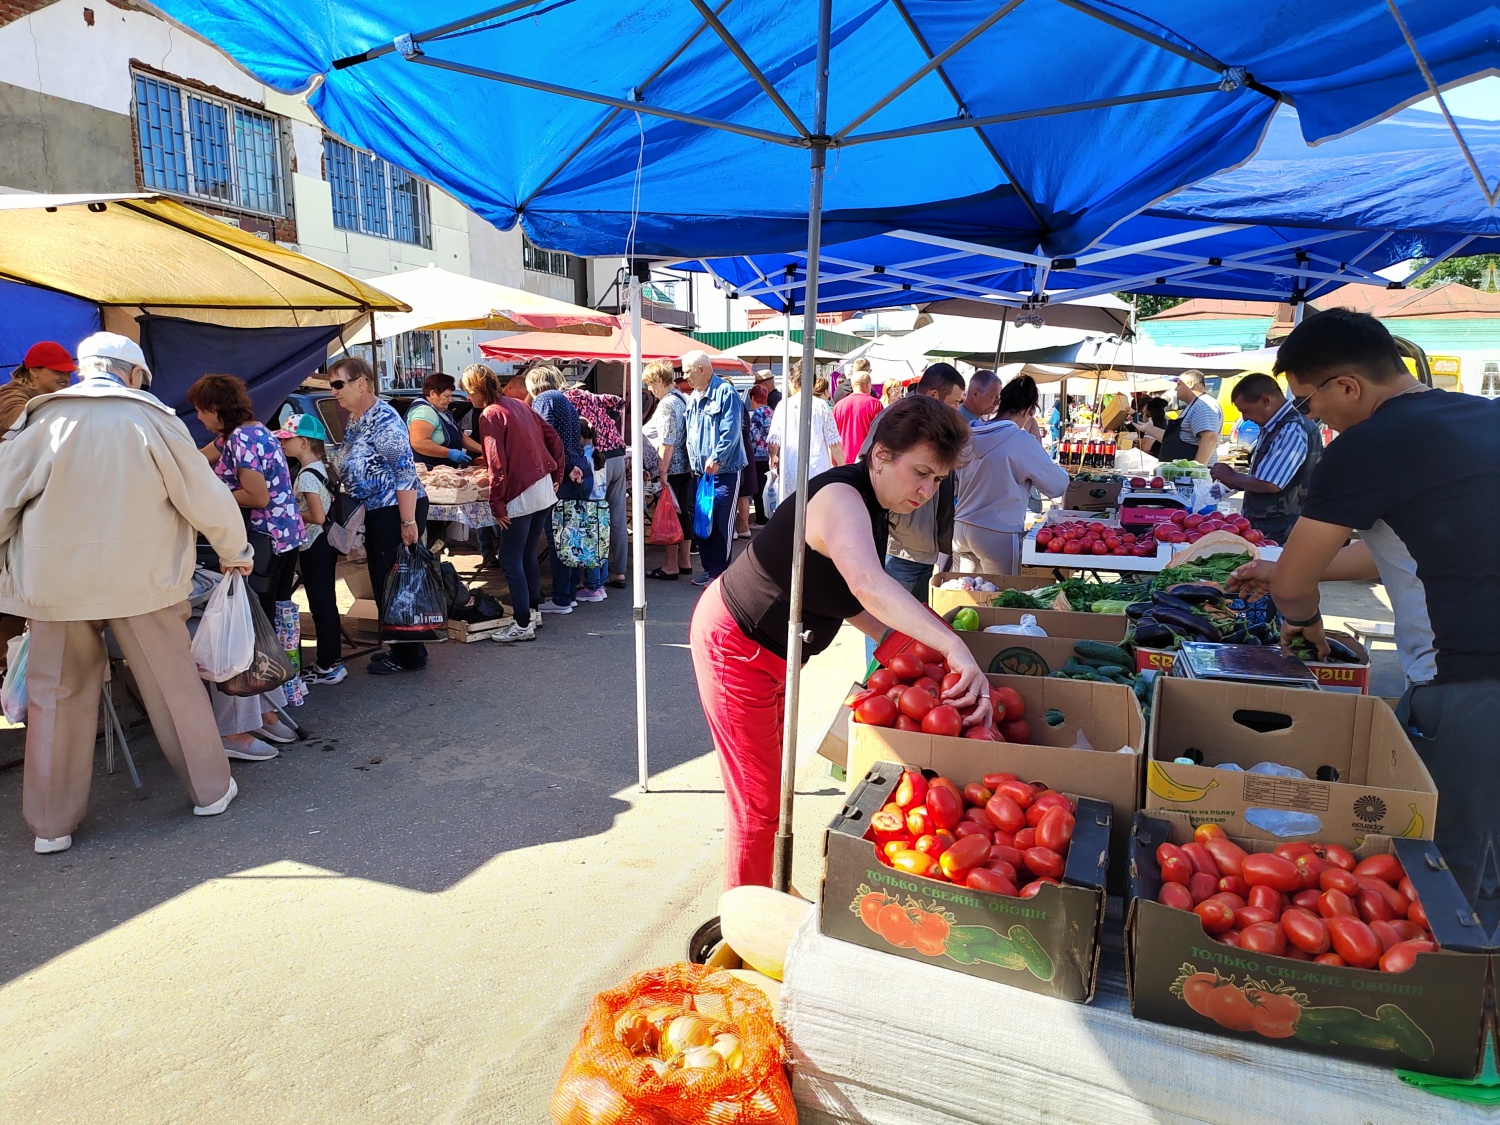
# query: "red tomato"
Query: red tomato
{"points": [[929, 685], [1202, 886], [887, 826], [1373, 908], [1407, 930], [1339, 856], [950, 681], [891, 847], [934, 672], [925, 654], [906, 722], [1311, 868], [1056, 830], [1000, 867], [1266, 898], [913, 862], [895, 925], [1008, 839], [1098, 548], [931, 845], [1162, 533], [1016, 730], [991, 780], [1044, 863], [1196, 990], [1030, 889], [1270, 870], [876, 711], [971, 828], [1247, 916], [1406, 888], [1397, 901], [976, 794], [1176, 896], [982, 734], [1010, 698], [1043, 537], [1333, 903], [919, 821], [1230, 1008], [1206, 832], [1402, 956], [944, 720], [1264, 937], [1308, 900], [1231, 939], [1018, 791], [894, 695], [1337, 879], [1384, 867], [1234, 902], [979, 817], [944, 806], [882, 680], [1276, 1014], [1418, 914], [983, 879], [911, 790], [1354, 941], [1387, 933], [1203, 862], [1005, 853], [1005, 812], [915, 703], [1051, 799], [1305, 930], [1026, 838], [969, 851], [1217, 917], [1193, 519], [906, 667], [1332, 959], [1237, 886], [1228, 855]]}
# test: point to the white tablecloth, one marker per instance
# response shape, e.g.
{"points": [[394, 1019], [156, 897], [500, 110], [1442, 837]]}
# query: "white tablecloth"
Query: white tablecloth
{"points": [[881, 1040]]}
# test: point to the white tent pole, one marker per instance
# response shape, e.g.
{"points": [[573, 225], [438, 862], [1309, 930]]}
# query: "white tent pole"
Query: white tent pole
{"points": [[638, 525], [786, 349], [782, 870]]}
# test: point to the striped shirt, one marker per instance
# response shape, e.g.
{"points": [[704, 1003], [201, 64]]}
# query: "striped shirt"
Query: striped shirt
{"points": [[1203, 413], [1280, 449]]}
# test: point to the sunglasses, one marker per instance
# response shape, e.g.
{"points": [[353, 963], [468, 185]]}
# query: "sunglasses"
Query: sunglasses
{"points": [[340, 384], [1303, 405]]}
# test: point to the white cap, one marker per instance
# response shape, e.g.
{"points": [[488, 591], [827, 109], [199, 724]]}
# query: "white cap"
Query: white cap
{"points": [[111, 345]]}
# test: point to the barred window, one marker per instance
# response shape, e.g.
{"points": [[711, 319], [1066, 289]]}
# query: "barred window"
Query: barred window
{"points": [[534, 258], [371, 196], [197, 145]]}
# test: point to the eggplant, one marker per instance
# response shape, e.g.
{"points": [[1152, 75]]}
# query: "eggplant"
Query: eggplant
{"points": [[1136, 610], [1153, 634], [1196, 593], [1340, 653], [1265, 632], [1188, 622], [1162, 598], [1239, 635]]}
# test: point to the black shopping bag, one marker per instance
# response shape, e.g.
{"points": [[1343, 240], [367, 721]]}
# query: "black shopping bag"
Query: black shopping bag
{"points": [[416, 598]]}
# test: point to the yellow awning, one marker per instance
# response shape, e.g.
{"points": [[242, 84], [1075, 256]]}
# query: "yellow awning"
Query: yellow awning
{"points": [[153, 253]]}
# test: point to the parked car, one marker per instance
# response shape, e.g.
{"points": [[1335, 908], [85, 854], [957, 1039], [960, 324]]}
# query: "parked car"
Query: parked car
{"points": [[320, 403]]}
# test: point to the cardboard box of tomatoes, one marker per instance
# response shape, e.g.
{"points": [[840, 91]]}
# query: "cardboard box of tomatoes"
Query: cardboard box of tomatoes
{"points": [[1047, 943], [1312, 967], [1082, 539], [1060, 715], [1363, 775]]}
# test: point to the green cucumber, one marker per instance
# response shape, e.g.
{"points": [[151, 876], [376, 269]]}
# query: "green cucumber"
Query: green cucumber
{"points": [[1098, 650], [1007, 956], [1055, 718], [973, 935], [1413, 1041], [1110, 670], [960, 953], [1037, 959]]}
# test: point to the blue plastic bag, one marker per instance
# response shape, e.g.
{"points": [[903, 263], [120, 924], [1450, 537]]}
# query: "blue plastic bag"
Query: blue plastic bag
{"points": [[703, 509]]}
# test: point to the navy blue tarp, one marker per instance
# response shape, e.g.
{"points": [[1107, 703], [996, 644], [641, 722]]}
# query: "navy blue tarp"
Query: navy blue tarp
{"points": [[1175, 90], [29, 314], [272, 361], [1397, 190]]}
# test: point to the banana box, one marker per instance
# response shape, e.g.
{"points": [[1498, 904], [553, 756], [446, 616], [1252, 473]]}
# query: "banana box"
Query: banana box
{"points": [[1278, 764]]}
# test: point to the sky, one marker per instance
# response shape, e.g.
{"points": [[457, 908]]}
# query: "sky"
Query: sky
{"points": [[1479, 99]]}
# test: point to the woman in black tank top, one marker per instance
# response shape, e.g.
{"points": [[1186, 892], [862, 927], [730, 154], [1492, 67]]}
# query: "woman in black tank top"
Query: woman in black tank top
{"points": [[739, 631]]}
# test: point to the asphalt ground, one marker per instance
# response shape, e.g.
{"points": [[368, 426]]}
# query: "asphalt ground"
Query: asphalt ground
{"points": [[403, 917]]}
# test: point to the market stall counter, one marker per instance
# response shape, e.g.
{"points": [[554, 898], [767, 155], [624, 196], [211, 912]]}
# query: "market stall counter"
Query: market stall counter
{"points": [[865, 1050]]}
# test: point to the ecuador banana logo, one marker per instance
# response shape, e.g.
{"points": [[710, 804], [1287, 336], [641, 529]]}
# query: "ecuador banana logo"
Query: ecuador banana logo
{"points": [[1160, 783], [1414, 829]]}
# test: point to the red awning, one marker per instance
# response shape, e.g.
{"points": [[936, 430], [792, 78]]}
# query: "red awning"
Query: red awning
{"points": [[657, 342]]}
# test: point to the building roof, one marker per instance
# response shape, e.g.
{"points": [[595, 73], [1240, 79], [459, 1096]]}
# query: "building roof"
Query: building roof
{"points": [[1445, 300], [1211, 308]]}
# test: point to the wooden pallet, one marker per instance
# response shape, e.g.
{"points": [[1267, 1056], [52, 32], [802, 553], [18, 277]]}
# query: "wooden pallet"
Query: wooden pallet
{"points": [[467, 632]]}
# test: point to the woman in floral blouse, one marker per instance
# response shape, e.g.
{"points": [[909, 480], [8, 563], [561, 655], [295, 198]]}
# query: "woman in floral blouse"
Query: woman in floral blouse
{"points": [[377, 468], [249, 460]]}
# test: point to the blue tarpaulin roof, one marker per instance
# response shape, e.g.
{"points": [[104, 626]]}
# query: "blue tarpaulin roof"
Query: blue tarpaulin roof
{"points": [[943, 113], [1397, 190]]}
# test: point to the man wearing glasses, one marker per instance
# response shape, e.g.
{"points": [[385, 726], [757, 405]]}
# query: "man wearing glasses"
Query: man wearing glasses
{"points": [[1417, 473]]}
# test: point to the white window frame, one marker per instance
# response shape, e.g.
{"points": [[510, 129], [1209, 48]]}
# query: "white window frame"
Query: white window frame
{"points": [[236, 195], [368, 170]]}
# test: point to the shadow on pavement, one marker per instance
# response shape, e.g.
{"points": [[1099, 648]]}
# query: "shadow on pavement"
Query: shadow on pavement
{"points": [[414, 781]]}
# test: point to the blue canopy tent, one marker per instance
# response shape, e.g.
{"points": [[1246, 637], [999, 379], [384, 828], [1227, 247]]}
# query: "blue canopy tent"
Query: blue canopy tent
{"points": [[688, 131], [29, 314]]}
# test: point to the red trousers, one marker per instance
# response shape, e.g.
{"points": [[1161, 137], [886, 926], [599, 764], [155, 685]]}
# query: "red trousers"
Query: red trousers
{"points": [[743, 690]]}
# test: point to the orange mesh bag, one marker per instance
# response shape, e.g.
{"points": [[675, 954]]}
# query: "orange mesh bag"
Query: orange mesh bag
{"points": [[639, 1059]]}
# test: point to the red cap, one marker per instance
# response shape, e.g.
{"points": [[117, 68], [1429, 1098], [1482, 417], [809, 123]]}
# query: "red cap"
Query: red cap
{"points": [[50, 355]]}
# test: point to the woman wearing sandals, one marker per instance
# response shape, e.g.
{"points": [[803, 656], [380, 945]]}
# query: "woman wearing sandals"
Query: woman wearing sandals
{"points": [[667, 431]]}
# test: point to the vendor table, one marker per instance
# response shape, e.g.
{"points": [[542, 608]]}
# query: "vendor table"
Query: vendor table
{"points": [[476, 513], [881, 1040]]}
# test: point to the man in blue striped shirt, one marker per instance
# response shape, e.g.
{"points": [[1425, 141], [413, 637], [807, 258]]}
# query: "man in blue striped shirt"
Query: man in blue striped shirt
{"points": [[1288, 447]]}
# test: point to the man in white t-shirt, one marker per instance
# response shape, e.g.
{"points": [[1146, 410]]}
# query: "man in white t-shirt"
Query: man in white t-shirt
{"points": [[1203, 418]]}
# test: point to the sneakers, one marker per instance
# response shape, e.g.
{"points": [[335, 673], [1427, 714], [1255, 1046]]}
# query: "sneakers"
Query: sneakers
{"points": [[553, 607], [255, 751], [592, 595], [277, 731], [320, 675], [515, 632], [56, 844], [221, 804], [703, 579]]}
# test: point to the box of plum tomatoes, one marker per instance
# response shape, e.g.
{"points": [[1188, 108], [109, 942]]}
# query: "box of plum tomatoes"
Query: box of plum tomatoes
{"points": [[918, 864], [1370, 954]]}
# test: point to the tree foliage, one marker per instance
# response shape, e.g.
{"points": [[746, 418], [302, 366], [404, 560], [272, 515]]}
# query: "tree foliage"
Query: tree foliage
{"points": [[1477, 272], [1149, 304]]}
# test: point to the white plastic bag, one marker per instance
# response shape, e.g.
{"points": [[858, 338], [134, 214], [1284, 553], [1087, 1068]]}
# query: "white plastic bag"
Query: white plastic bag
{"points": [[1027, 628], [224, 645], [13, 692], [771, 496]]}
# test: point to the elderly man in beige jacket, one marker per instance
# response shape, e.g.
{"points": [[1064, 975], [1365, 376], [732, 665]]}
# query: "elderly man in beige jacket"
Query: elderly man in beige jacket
{"points": [[101, 488]]}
